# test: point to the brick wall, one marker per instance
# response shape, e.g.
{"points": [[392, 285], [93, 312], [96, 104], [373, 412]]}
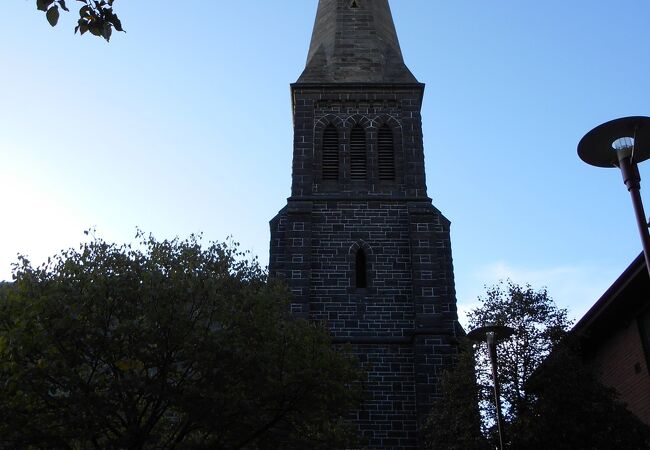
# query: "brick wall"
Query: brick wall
{"points": [[401, 326], [370, 107], [621, 363], [388, 417]]}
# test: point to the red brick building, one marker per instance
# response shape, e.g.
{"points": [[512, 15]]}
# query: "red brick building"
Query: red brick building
{"points": [[615, 335]]}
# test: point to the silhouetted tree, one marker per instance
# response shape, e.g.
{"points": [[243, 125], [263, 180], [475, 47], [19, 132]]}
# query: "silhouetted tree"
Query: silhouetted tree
{"points": [[539, 325], [571, 409], [551, 400], [162, 346], [455, 422]]}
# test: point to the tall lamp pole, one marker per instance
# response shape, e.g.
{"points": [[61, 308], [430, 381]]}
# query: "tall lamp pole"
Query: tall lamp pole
{"points": [[622, 143], [492, 334]]}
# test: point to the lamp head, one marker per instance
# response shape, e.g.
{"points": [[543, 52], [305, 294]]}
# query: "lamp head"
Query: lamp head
{"points": [[609, 143], [491, 333]]}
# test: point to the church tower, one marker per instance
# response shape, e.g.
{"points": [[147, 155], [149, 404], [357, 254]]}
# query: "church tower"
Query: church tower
{"points": [[359, 242]]}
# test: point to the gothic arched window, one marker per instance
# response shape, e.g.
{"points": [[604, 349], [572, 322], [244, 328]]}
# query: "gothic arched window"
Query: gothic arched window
{"points": [[330, 154], [358, 160], [386, 154], [361, 270]]}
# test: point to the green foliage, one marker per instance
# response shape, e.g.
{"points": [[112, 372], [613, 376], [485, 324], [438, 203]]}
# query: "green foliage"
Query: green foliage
{"points": [[164, 346], [4, 290], [455, 422], [539, 325], [571, 409], [549, 401], [95, 16]]}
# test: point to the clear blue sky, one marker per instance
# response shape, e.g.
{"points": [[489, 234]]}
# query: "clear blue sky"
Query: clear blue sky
{"points": [[183, 124]]}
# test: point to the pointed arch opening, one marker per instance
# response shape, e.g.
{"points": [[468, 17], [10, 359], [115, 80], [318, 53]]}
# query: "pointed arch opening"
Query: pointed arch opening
{"points": [[361, 269], [358, 159], [330, 168], [386, 154]]}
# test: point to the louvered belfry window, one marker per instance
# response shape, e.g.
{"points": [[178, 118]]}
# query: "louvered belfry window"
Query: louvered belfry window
{"points": [[330, 154], [386, 154], [358, 161]]}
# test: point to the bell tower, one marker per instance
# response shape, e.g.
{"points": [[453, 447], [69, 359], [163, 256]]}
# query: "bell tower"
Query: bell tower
{"points": [[359, 242]]}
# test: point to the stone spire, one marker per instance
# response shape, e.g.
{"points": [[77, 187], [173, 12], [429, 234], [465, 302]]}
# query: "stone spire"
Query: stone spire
{"points": [[354, 41]]}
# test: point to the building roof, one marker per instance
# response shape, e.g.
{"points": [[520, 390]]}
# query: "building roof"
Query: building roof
{"points": [[624, 299], [354, 41]]}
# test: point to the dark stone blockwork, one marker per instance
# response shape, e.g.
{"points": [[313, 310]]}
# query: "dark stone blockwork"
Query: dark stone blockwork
{"points": [[401, 321]]}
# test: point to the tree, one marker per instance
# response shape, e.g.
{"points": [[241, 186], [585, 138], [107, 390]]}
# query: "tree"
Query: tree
{"points": [[539, 325], [550, 399], [162, 346], [572, 409], [95, 16], [455, 422]]}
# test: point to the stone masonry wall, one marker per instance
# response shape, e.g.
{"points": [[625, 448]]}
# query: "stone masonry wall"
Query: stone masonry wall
{"points": [[402, 325], [345, 107], [388, 416]]}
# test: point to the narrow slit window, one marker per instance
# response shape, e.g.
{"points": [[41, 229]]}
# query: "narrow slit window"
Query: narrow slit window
{"points": [[361, 270], [330, 154], [358, 160], [386, 154]]}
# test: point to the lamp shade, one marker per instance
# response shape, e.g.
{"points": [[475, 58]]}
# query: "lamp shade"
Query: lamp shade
{"points": [[597, 146], [500, 332]]}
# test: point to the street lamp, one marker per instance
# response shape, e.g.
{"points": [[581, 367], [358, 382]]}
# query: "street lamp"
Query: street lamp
{"points": [[493, 334], [622, 143]]}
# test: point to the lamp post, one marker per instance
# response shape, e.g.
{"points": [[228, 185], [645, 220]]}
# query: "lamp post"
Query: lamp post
{"points": [[622, 143], [491, 334]]}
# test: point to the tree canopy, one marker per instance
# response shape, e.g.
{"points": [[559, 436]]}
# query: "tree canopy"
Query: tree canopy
{"points": [[539, 326], [551, 399], [95, 16], [455, 420], [164, 345], [571, 409]]}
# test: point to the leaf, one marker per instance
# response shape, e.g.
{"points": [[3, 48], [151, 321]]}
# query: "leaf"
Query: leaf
{"points": [[62, 4], [112, 18], [52, 15], [42, 5], [123, 365], [107, 30]]}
